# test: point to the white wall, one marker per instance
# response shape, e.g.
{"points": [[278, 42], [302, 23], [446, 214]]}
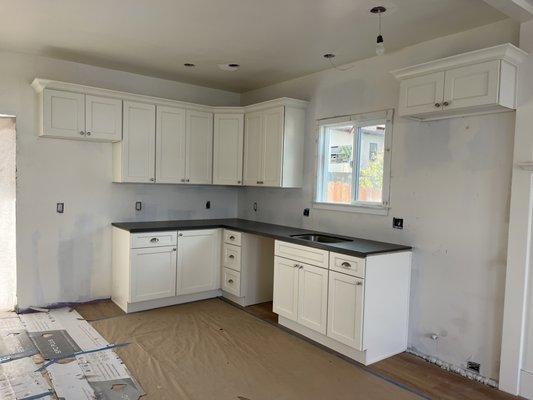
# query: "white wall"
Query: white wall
{"points": [[450, 182], [7, 213], [67, 257], [517, 344]]}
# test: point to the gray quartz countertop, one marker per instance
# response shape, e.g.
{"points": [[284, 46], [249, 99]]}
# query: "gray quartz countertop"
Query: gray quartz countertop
{"points": [[355, 246]]}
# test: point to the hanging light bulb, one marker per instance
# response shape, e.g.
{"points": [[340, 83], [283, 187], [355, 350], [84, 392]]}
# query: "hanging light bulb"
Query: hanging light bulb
{"points": [[380, 44]]}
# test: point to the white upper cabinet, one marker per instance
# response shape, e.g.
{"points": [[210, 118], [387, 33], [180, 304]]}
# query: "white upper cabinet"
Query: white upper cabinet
{"points": [[63, 114], [253, 145], [421, 94], [103, 118], [273, 146], [167, 141], [69, 115], [134, 157], [199, 145], [478, 82], [170, 141], [228, 149], [472, 86]]}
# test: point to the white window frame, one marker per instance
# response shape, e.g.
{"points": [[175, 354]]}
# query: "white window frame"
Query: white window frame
{"points": [[358, 120]]}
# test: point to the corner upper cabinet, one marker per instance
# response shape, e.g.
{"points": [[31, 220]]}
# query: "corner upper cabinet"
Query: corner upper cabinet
{"points": [[134, 156], [228, 140], [478, 82], [273, 144]]}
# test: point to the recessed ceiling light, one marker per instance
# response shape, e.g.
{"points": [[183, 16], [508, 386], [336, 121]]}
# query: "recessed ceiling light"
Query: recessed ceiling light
{"points": [[229, 67], [189, 65]]}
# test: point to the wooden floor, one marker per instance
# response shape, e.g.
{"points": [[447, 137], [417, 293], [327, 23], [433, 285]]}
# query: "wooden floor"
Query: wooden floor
{"points": [[404, 369]]}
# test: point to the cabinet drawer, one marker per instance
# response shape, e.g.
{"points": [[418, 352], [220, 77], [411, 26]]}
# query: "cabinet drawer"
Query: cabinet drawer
{"points": [[153, 239], [231, 256], [347, 264], [231, 281], [232, 237], [308, 255]]}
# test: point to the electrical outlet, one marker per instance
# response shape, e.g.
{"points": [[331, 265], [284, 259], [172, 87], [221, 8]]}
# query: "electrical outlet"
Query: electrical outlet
{"points": [[255, 206], [397, 223], [306, 212], [138, 206], [473, 366], [208, 204], [60, 208]]}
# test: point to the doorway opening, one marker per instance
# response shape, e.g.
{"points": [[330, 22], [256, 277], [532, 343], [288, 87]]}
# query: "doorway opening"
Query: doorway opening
{"points": [[8, 265]]}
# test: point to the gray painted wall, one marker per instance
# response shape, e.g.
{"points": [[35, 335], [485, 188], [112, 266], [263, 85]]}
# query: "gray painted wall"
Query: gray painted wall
{"points": [[67, 257], [450, 181]]}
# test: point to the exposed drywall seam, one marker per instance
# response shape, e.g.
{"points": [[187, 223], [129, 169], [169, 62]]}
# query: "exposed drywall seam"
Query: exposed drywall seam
{"points": [[454, 368]]}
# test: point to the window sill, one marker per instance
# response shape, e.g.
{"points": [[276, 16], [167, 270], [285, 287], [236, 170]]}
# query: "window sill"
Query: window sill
{"points": [[356, 208]]}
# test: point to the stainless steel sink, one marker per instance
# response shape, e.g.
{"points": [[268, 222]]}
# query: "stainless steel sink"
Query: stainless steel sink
{"points": [[321, 238]]}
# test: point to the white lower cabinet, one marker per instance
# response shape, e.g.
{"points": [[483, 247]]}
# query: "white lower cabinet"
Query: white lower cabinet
{"points": [[345, 309], [153, 273], [285, 300], [301, 293], [156, 269], [313, 297], [356, 306], [197, 267]]}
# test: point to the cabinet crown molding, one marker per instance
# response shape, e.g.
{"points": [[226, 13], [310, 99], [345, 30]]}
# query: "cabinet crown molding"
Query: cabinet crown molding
{"points": [[39, 84], [506, 52]]}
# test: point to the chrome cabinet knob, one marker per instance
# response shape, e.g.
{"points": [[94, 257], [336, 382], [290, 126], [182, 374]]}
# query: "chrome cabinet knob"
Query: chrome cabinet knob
{"points": [[230, 281], [231, 256], [437, 105], [446, 103], [174, 249], [232, 237], [82, 133], [358, 283], [154, 240], [152, 179], [346, 265], [88, 133]]}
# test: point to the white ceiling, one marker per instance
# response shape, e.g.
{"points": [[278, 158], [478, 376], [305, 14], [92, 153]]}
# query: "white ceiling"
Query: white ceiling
{"points": [[273, 40]]}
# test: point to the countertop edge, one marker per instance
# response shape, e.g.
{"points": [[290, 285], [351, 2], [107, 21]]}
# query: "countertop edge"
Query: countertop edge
{"points": [[219, 224]]}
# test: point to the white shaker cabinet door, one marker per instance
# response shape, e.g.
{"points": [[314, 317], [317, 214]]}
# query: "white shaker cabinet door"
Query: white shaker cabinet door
{"points": [[103, 118], [422, 94], [345, 309], [153, 273], [313, 297], [285, 299], [198, 261], [138, 155], [199, 159], [253, 149], [170, 141], [273, 121], [472, 85], [228, 149], [63, 114]]}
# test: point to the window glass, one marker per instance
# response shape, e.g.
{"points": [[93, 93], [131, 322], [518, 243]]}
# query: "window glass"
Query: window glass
{"points": [[371, 158], [338, 171], [352, 161]]}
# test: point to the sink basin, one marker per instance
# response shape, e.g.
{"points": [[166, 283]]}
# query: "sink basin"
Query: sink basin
{"points": [[320, 238]]}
